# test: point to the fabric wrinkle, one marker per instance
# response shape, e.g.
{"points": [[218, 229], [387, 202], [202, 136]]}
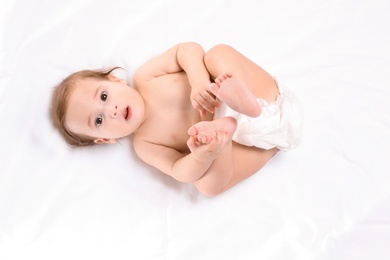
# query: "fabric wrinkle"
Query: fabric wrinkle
{"points": [[279, 124]]}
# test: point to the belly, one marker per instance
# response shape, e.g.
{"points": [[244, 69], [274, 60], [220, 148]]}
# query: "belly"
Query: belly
{"points": [[172, 134], [171, 113], [171, 129]]}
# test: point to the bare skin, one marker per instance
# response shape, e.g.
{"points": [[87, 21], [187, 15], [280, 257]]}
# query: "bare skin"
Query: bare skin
{"points": [[178, 137], [233, 91], [214, 163], [204, 132]]}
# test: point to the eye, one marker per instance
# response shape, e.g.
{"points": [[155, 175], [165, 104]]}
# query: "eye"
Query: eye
{"points": [[99, 120], [103, 96]]}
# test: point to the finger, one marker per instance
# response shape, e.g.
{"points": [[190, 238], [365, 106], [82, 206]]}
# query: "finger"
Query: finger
{"points": [[196, 104], [199, 107], [213, 88], [210, 98], [202, 113], [202, 105], [199, 103], [208, 102], [191, 142]]}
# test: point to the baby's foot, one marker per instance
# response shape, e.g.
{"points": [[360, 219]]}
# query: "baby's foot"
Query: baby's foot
{"points": [[205, 131], [209, 138], [234, 93]]}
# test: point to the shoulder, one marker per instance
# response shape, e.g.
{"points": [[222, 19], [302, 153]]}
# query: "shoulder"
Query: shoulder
{"points": [[168, 61], [157, 66]]}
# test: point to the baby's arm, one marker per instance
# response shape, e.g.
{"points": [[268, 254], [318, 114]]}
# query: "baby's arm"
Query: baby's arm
{"points": [[191, 58], [186, 57], [209, 165], [180, 166]]}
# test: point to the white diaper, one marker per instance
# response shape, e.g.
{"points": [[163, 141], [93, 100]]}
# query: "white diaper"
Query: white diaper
{"points": [[279, 124]]}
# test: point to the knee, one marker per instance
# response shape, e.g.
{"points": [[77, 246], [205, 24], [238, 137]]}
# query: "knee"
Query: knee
{"points": [[217, 53], [219, 49]]}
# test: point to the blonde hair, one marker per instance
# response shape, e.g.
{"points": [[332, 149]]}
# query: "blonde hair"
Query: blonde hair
{"points": [[59, 104]]}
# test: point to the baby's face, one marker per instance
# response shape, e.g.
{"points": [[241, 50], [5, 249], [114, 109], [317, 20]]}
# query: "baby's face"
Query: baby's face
{"points": [[105, 110]]}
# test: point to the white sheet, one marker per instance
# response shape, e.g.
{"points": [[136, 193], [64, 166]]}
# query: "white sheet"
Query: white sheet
{"points": [[328, 199]]}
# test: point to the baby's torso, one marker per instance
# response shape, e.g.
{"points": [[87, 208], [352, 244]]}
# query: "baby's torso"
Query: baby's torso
{"points": [[169, 111]]}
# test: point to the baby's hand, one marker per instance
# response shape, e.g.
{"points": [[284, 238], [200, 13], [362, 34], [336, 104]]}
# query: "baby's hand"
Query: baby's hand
{"points": [[202, 99]]}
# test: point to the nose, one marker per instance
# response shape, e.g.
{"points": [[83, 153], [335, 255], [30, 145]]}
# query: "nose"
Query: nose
{"points": [[113, 112]]}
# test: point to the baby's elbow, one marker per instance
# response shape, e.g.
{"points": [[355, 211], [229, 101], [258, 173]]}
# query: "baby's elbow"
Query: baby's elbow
{"points": [[182, 178], [190, 47], [208, 190]]}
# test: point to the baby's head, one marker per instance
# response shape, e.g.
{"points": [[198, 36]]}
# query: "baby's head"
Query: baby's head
{"points": [[93, 106]]}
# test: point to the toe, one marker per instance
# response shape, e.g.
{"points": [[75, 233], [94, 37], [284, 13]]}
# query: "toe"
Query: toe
{"points": [[192, 130]]}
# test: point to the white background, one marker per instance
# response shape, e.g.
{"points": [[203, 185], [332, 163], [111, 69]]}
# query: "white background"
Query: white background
{"points": [[328, 199]]}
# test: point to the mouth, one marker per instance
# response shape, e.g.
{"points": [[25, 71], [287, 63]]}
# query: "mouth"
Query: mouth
{"points": [[126, 113]]}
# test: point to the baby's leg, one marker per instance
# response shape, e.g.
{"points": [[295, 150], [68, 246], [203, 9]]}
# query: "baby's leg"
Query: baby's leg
{"points": [[234, 93], [227, 168], [208, 133], [223, 58]]}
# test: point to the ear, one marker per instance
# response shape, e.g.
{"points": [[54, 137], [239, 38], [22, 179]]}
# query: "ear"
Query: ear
{"points": [[104, 141], [112, 77], [116, 79]]}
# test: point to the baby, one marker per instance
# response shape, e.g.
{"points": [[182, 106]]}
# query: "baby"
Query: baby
{"points": [[212, 118]]}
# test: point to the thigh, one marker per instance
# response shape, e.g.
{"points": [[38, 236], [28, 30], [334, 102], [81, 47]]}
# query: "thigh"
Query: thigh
{"points": [[235, 165], [248, 161], [223, 58]]}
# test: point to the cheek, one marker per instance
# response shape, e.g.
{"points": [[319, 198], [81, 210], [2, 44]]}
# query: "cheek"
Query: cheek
{"points": [[113, 129]]}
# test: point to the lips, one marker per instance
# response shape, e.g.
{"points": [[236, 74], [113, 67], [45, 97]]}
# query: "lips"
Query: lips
{"points": [[126, 113]]}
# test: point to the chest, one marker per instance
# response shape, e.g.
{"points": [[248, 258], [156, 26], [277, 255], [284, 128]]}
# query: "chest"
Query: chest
{"points": [[169, 112]]}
